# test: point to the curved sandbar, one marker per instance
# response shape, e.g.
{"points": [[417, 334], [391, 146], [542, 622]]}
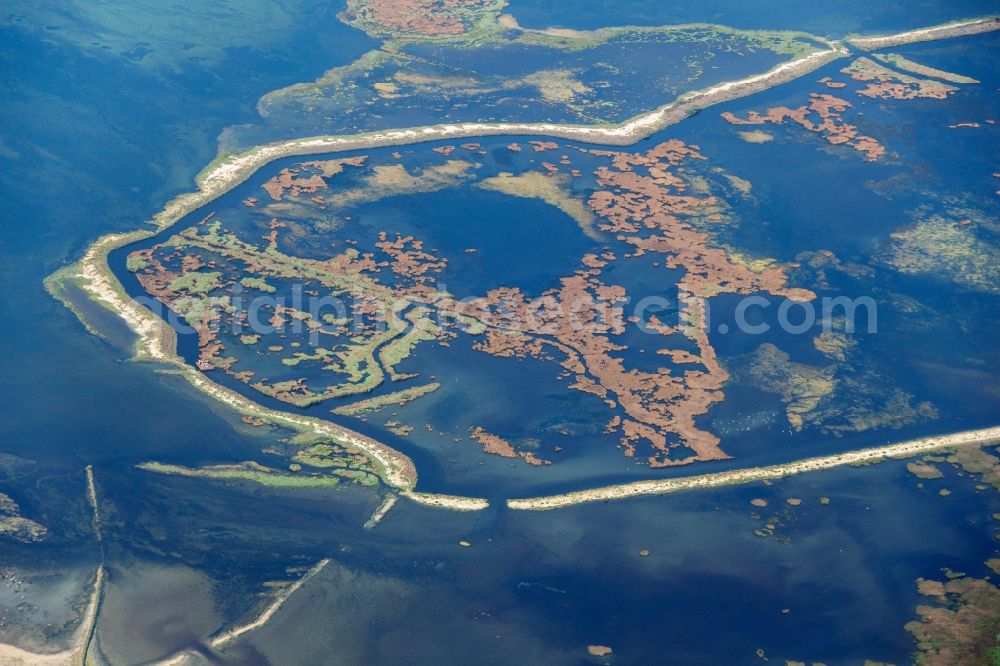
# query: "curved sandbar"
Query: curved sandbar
{"points": [[664, 486], [944, 31], [395, 468], [227, 172], [157, 341]]}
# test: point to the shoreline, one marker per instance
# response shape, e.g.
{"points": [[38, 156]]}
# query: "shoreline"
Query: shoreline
{"points": [[943, 31], [224, 174], [394, 467], [157, 342], [905, 449], [228, 636], [78, 654]]}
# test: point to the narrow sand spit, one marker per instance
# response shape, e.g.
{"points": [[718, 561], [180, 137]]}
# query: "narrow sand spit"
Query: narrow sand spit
{"points": [[661, 487]]}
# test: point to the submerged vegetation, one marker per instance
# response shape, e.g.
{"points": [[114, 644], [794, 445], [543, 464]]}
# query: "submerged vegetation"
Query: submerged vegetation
{"points": [[960, 621], [961, 625], [265, 476], [838, 398], [380, 402], [802, 386], [949, 249], [15, 526], [421, 73], [552, 189]]}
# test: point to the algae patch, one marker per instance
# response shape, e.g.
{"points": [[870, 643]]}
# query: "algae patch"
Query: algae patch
{"points": [[837, 398], [553, 190], [948, 249]]}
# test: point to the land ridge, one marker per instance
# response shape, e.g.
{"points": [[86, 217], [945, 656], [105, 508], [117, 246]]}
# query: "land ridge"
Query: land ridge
{"points": [[905, 449], [943, 31]]}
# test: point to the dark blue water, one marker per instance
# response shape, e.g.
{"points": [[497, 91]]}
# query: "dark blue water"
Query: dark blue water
{"points": [[104, 120]]}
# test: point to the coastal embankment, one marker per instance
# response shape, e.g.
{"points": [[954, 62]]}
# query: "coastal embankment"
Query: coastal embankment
{"points": [[451, 502], [662, 487], [78, 653], [228, 636], [944, 31]]}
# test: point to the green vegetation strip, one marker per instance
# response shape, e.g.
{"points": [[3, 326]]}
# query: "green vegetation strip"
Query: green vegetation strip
{"points": [[248, 471], [380, 401]]}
